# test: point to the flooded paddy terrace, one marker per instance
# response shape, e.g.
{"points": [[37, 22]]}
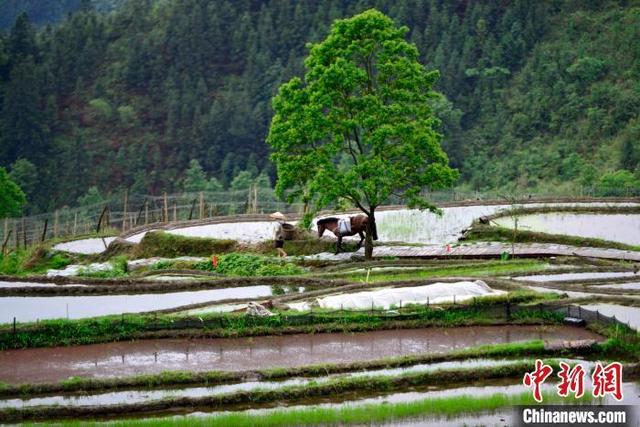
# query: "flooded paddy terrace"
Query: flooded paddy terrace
{"points": [[621, 228], [488, 389], [32, 308], [394, 225], [123, 359], [235, 354], [135, 396]]}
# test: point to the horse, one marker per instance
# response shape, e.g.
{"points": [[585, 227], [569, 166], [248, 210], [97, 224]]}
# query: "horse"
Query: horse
{"points": [[358, 226]]}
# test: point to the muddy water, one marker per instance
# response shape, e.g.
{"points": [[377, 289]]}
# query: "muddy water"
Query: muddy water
{"points": [[154, 356], [27, 309], [576, 276], [615, 227], [136, 396]]}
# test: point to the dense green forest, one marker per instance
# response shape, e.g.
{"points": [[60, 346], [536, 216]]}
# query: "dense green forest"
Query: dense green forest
{"points": [[42, 12], [537, 95]]}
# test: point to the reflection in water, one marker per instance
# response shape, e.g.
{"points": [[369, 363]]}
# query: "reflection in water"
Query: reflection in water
{"points": [[635, 286], [575, 276], [153, 356], [28, 309], [623, 228], [630, 315], [135, 396], [4, 284]]}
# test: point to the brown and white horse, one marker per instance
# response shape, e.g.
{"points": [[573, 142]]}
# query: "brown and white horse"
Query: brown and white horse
{"points": [[358, 226]]}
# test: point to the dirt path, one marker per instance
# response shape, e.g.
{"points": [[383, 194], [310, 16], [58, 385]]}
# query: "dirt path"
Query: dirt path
{"points": [[492, 250]]}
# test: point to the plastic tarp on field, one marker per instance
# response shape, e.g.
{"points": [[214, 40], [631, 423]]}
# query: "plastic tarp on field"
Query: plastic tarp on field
{"points": [[436, 293]]}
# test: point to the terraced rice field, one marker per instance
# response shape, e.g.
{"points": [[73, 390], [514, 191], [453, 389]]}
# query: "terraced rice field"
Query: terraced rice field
{"points": [[193, 348]]}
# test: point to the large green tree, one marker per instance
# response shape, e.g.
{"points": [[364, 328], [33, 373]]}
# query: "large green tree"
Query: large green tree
{"points": [[12, 199], [360, 127]]}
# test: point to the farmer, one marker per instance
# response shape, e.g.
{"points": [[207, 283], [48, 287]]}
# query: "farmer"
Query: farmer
{"points": [[278, 233]]}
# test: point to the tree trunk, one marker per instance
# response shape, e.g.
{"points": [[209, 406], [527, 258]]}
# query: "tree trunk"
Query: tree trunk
{"points": [[368, 241]]}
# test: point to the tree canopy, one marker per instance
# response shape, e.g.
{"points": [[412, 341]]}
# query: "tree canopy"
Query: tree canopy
{"points": [[12, 199], [360, 126], [536, 99]]}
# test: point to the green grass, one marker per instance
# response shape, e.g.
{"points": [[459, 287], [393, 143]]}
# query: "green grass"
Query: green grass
{"points": [[487, 269], [426, 409], [118, 328], [32, 260]]}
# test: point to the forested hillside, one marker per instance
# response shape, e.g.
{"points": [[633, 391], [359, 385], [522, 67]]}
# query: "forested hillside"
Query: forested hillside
{"points": [[538, 94], [42, 12]]}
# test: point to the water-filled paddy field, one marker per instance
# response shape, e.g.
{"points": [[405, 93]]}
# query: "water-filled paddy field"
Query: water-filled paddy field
{"points": [[135, 396], [635, 286], [591, 275], [32, 308], [297, 359], [13, 284], [620, 228], [234, 354], [438, 401], [404, 225], [625, 314], [85, 246]]}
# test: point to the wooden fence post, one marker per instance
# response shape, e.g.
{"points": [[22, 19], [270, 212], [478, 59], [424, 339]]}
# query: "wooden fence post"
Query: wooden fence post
{"points": [[44, 230], [75, 223], [165, 212], [136, 220], [175, 211], [6, 241], [124, 209], [201, 205], [24, 234], [146, 212], [16, 235], [55, 223], [193, 206]]}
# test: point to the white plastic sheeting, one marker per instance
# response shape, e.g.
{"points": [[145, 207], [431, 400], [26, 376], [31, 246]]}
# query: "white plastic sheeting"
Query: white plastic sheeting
{"points": [[75, 269], [436, 293]]}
